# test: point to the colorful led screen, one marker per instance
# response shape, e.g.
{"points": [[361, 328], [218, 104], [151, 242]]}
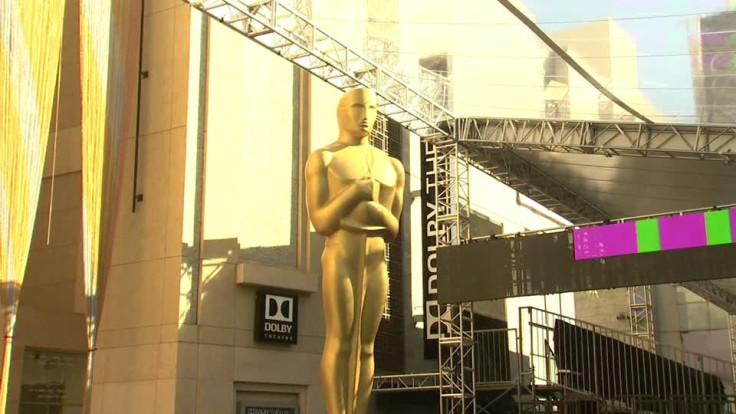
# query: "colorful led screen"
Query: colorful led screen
{"points": [[656, 234]]}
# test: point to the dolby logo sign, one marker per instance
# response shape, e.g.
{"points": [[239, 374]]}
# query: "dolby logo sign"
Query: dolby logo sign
{"points": [[276, 317]]}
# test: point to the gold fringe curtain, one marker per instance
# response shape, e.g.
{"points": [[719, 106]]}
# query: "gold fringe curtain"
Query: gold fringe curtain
{"points": [[30, 46], [108, 44]]}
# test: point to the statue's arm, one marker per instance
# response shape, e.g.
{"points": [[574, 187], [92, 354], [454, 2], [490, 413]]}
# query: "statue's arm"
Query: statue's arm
{"points": [[393, 227], [390, 218], [324, 212]]}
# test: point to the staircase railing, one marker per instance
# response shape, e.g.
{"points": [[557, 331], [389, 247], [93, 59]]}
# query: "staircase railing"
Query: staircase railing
{"points": [[495, 359], [619, 368]]}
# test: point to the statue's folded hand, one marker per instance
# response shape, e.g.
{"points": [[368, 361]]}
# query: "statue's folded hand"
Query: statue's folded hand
{"points": [[378, 212], [367, 189]]}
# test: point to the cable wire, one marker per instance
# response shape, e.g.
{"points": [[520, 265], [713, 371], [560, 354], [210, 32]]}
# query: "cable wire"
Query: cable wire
{"points": [[541, 110], [656, 55], [551, 22]]}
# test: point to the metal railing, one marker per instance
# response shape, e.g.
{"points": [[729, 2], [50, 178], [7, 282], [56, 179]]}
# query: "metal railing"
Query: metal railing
{"points": [[495, 360], [554, 363], [613, 366], [684, 404], [496, 363], [638, 405]]}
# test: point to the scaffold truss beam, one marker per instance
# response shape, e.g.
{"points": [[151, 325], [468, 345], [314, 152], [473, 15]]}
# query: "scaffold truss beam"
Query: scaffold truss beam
{"points": [[457, 362], [293, 36], [698, 142], [714, 294], [406, 382], [641, 316], [524, 177]]}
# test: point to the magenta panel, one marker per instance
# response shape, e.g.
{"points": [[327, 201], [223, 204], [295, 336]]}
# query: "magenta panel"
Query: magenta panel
{"points": [[605, 241], [682, 232]]}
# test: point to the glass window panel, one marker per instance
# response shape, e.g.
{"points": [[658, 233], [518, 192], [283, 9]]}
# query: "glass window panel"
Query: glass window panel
{"points": [[251, 172], [52, 382]]}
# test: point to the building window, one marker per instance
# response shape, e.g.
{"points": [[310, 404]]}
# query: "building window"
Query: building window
{"points": [[434, 74], [252, 153], [605, 110], [555, 70], [556, 109], [252, 398], [52, 382]]}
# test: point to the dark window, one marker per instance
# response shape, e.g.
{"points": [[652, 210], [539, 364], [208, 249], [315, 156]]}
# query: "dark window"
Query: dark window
{"points": [[52, 382]]}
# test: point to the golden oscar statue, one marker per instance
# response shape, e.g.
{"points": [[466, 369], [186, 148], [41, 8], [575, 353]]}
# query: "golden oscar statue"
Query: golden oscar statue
{"points": [[354, 197]]}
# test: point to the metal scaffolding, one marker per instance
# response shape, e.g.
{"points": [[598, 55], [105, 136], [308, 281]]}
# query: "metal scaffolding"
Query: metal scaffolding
{"points": [[379, 135], [640, 314], [293, 36], [453, 193], [407, 382], [732, 340], [304, 7], [699, 142], [457, 361]]}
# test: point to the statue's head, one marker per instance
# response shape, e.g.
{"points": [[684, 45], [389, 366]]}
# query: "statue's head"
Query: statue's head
{"points": [[356, 112]]}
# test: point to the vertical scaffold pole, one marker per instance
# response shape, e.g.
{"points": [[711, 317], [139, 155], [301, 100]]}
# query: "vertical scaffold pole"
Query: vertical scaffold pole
{"points": [[732, 338], [640, 315], [456, 351]]}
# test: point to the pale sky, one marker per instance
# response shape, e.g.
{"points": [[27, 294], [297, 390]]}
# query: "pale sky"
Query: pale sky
{"points": [[653, 36]]}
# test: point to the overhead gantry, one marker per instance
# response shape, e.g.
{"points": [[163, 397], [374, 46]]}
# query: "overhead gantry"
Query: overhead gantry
{"points": [[636, 139], [490, 143]]}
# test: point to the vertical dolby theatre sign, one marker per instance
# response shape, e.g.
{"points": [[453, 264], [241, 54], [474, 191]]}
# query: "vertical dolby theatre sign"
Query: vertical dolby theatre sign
{"points": [[276, 317]]}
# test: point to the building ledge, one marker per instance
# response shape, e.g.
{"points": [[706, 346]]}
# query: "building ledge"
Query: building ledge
{"points": [[250, 273]]}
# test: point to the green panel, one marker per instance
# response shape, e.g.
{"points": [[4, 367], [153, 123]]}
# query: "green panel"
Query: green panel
{"points": [[647, 235], [718, 227]]}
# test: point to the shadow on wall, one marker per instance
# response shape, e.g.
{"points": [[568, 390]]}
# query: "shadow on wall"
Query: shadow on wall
{"points": [[220, 253]]}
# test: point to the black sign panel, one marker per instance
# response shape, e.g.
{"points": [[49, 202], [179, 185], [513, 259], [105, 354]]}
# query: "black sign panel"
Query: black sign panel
{"points": [[276, 317], [545, 264], [433, 326], [269, 410]]}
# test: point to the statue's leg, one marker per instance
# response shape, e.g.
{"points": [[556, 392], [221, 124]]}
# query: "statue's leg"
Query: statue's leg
{"points": [[375, 287], [338, 303]]}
